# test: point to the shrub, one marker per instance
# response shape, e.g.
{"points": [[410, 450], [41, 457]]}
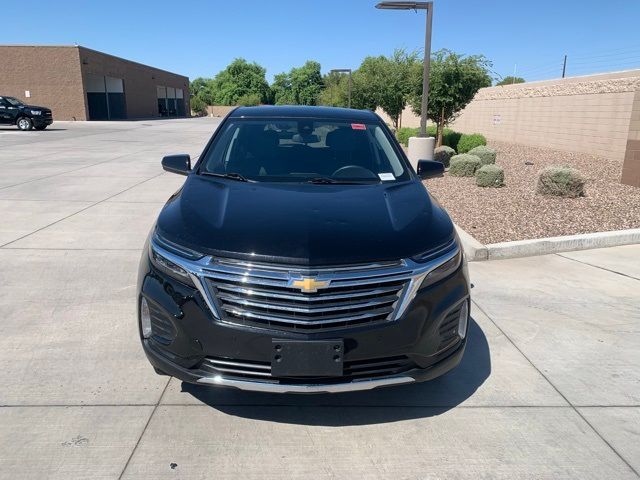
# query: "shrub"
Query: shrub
{"points": [[490, 176], [487, 155], [561, 181], [464, 165], [404, 133], [451, 138], [443, 154], [468, 142], [198, 106], [249, 100]]}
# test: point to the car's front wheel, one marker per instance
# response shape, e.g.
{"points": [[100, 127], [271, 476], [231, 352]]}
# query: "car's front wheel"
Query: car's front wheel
{"points": [[24, 124], [40, 127]]}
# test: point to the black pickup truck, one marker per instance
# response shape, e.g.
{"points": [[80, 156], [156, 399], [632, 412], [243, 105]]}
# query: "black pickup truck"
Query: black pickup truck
{"points": [[25, 117]]}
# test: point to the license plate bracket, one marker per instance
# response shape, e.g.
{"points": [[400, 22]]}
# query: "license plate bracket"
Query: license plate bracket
{"points": [[314, 358]]}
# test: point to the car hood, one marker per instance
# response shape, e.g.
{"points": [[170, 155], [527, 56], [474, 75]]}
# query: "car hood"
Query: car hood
{"points": [[34, 107], [305, 224]]}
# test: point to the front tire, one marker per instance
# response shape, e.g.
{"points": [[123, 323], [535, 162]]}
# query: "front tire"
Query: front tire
{"points": [[40, 127], [24, 124]]}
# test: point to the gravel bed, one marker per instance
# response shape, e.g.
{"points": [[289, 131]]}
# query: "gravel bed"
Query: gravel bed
{"points": [[516, 212]]}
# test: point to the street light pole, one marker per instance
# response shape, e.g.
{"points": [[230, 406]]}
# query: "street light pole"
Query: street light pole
{"points": [[421, 147], [345, 70], [426, 67], [428, 6]]}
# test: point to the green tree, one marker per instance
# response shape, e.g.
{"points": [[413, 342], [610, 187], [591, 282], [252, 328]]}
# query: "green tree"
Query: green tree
{"points": [[508, 80], [198, 105], [306, 83], [336, 90], [202, 89], [281, 92], [454, 79], [301, 86], [386, 82], [240, 79]]}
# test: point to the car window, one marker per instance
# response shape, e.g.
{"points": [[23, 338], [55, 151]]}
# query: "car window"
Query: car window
{"points": [[298, 150], [13, 101]]}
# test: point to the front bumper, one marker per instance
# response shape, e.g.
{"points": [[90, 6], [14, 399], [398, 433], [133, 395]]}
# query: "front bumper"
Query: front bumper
{"points": [[411, 376], [412, 346], [41, 121]]}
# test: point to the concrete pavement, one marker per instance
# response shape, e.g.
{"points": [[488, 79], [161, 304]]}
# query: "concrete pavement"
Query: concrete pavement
{"points": [[548, 388]]}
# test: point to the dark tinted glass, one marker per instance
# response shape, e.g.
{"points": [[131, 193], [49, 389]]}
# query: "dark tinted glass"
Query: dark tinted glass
{"points": [[303, 149]]}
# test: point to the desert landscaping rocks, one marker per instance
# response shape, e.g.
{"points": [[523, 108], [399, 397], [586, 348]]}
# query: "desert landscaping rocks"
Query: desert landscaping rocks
{"points": [[517, 212]]}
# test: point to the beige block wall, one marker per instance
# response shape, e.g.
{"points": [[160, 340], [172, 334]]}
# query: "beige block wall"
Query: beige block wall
{"points": [[631, 167], [219, 110], [590, 114], [407, 118]]}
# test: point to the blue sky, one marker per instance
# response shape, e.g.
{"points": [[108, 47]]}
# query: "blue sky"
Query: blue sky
{"points": [[199, 38]]}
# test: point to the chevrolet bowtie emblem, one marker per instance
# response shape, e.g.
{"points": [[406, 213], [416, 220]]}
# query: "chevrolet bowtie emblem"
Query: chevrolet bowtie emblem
{"points": [[309, 285]]}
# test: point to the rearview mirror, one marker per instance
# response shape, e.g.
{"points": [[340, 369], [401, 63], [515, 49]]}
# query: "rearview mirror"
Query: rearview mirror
{"points": [[180, 164], [430, 169]]}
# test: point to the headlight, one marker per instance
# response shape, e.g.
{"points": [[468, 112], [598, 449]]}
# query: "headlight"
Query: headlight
{"points": [[428, 277], [164, 264], [36, 112], [444, 270], [167, 266]]}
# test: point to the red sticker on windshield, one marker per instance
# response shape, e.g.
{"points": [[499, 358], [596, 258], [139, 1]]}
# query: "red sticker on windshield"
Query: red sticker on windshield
{"points": [[358, 126]]}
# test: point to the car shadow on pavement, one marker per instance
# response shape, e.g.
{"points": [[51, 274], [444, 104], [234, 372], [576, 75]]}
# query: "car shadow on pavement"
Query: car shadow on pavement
{"points": [[14, 129], [360, 408]]}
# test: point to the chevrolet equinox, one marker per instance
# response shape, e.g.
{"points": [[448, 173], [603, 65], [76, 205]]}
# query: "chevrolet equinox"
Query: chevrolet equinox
{"points": [[303, 254]]}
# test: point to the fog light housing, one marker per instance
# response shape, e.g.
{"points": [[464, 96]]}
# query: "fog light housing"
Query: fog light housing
{"points": [[145, 318], [463, 319]]}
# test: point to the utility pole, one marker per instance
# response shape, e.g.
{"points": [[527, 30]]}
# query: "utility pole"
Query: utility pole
{"points": [[515, 68], [345, 70], [564, 66], [428, 6]]}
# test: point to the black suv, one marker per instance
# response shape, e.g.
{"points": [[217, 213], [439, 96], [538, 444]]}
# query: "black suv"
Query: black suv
{"points": [[303, 254], [26, 117]]}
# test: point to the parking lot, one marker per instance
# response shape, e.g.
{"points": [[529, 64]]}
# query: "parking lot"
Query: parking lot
{"points": [[549, 386]]}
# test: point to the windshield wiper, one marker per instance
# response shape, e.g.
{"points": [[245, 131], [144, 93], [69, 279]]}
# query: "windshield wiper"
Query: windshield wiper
{"points": [[230, 176], [328, 180]]}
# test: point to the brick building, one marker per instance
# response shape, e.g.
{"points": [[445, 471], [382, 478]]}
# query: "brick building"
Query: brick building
{"points": [[78, 83]]}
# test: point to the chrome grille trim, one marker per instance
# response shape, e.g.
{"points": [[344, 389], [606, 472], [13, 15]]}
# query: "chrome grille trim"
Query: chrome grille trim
{"points": [[362, 369], [295, 321], [262, 295], [307, 309], [301, 297]]}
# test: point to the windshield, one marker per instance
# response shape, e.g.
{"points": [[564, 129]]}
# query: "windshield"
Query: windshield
{"points": [[304, 150], [13, 101]]}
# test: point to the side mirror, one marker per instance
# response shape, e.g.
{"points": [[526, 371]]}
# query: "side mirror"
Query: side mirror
{"points": [[180, 164], [430, 169]]}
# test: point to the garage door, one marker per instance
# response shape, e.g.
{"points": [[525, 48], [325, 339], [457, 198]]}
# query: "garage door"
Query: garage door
{"points": [[105, 98]]}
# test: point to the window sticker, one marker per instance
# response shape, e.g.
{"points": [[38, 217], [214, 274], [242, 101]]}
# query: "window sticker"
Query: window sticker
{"points": [[358, 126], [385, 177]]}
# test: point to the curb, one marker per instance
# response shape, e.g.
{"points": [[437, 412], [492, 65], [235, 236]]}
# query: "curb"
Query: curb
{"points": [[475, 251]]}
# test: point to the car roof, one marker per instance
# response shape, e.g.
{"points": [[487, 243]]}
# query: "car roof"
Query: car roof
{"points": [[303, 111]]}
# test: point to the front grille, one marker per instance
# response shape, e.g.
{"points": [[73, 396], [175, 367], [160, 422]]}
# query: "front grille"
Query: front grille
{"points": [[161, 326], [358, 369], [261, 296]]}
